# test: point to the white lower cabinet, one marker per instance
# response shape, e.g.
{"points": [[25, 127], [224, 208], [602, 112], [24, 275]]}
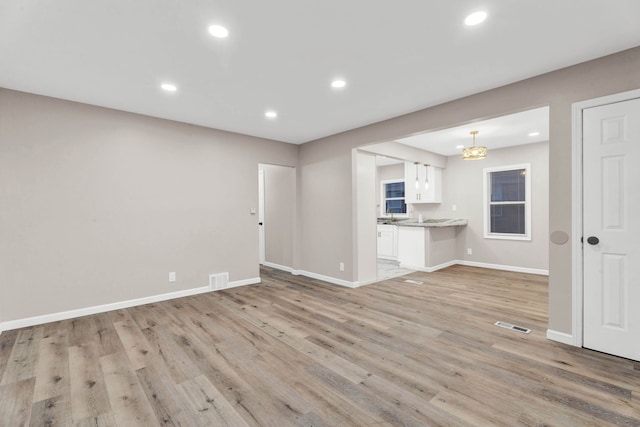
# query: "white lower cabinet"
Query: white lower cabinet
{"points": [[426, 248], [411, 251], [387, 241]]}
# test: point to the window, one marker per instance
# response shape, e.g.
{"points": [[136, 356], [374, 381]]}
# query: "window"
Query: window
{"points": [[392, 199], [507, 200]]}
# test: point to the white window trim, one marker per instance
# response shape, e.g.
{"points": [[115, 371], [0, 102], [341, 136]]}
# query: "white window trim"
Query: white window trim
{"points": [[383, 214], [486, 198]]}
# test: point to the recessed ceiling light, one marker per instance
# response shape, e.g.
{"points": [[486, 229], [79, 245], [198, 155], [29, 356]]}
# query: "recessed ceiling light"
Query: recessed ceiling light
{"points": [[218, 31], [459, 146], [534, 134], [271, 114], [475, 18], [338, 84], [169, 87]]}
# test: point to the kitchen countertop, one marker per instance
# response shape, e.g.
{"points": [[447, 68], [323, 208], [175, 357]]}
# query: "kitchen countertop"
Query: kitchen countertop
{"points": [[429, 223]]}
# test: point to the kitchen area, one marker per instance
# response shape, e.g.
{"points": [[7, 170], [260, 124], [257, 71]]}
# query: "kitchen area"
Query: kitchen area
{"points": [[408, 237], [425, 246], [428, 204]]}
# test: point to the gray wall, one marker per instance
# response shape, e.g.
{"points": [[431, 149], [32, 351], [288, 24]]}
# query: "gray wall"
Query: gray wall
{"points": [[327, 225], [326, 210], [463, 182], [280, 213], [98, 206]]}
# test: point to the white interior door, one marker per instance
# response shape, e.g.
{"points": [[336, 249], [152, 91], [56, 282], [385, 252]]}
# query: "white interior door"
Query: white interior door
{"points": [[261, 244], [611, 213]]}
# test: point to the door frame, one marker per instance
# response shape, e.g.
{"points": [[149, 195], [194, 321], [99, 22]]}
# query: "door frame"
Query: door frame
{"points": [[261, 233], [577, 280]]}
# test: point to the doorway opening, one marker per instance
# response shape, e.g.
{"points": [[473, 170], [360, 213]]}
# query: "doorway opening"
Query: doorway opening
{"points": [[276, 216], [442, 187]]}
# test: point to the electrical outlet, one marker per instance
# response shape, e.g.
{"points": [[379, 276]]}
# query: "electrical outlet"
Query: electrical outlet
{"points": [[342, 266], [469, 251], [172, 276], [454, 208]]}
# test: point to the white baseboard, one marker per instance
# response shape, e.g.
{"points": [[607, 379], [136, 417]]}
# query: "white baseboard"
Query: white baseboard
{"points": [[278, 266], [325, 278], [71, 314], [477, 264], [413, 267], [503, 267], [560, 337], [365, 283], [430, 269], [245, 282]]}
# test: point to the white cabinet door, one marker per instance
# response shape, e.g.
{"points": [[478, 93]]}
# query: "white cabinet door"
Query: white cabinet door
{"points": [[413, 175], [416, 190], [386, 241], [434, 193], [411, 246]]}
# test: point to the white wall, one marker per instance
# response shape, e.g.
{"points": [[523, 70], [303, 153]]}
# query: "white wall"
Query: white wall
{"points": [[365, 216]]}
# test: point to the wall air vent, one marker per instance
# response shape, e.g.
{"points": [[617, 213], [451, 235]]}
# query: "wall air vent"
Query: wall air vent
{"points": [[512, 327], [218, 281]]}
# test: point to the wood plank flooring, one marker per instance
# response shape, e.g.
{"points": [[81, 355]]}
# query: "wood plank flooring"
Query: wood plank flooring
{"points": [[294, 351]]}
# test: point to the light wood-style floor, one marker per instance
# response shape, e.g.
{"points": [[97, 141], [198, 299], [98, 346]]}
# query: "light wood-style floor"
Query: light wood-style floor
{"points": [[294, 351]]}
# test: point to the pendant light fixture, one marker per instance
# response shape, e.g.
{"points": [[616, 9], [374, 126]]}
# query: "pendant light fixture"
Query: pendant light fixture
{"points": [[475, 152], [426, 176], [417, 183]]}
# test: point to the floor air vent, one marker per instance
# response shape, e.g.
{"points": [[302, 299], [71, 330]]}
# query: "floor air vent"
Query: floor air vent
{"points": [[218, 281], [415, 282], [512, 327]]}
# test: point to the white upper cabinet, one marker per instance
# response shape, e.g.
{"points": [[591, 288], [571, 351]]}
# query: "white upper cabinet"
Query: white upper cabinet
{"points": [[415, 191]]}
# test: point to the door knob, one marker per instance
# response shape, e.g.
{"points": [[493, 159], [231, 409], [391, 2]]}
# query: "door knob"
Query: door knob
{"points": [[593, 240]]}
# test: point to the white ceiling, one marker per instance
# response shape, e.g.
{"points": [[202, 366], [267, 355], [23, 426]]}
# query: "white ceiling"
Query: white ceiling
{"points": [[397, 57], [500, 132]]}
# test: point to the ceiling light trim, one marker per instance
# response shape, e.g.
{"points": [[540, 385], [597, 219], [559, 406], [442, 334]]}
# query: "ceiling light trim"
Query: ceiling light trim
{"points": [[218, 31], [475, 18], [169, 87], [338, 84]]}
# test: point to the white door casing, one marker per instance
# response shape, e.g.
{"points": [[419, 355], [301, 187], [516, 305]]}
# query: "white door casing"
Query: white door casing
{"points": [[261, 241], [611, 232]]}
